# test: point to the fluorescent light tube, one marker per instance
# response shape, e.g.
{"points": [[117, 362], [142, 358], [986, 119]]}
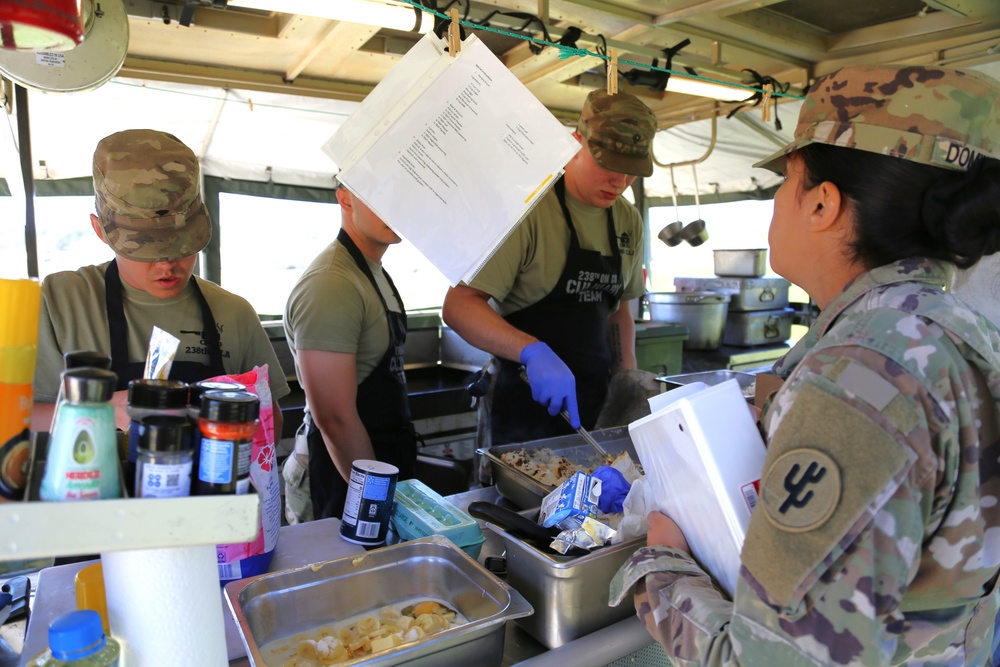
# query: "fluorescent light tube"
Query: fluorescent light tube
{"points": [[688, 86], [392, 15]]}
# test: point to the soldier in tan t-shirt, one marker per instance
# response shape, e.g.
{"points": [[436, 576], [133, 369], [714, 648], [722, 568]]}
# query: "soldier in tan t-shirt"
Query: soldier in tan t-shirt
{"points": [[149, 211], [562, 282], [346, 326]]}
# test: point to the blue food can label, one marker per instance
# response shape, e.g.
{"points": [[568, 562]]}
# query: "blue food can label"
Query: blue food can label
{"points": [[368, 506]]}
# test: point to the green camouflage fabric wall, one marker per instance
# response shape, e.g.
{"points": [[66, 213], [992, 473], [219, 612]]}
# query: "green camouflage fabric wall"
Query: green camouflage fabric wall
{"points": [[876, 540]]}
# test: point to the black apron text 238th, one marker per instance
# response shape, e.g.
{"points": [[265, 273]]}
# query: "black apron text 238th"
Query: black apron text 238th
{"points": [[573, 320]]}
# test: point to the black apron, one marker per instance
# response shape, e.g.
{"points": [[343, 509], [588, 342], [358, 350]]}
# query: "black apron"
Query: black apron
{"points": [[382, 406], [186, 371], [573, 320]]}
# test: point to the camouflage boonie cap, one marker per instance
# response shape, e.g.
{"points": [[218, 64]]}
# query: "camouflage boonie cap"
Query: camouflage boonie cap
{"points": [[943, 117], [619, 131], [148, 193]]}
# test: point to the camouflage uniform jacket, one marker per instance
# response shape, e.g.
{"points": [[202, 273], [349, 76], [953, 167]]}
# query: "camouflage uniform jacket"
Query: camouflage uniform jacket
{"points": [[876, 539]]}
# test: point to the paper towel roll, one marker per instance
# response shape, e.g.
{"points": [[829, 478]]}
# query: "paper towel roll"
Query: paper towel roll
{"points": [[165, 605]]}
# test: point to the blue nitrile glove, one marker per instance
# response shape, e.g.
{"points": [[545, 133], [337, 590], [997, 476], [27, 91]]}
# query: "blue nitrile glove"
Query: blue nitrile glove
{"points": [[552, 382], [614, 488]]}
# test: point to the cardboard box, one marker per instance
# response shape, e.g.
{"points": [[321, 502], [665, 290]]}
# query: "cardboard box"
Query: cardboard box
{"points": [[573, 501], [767, 384]]}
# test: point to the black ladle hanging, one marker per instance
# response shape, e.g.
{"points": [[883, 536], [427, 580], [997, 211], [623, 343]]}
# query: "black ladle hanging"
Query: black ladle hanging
{"points": [[695, 232], [671, 234]]}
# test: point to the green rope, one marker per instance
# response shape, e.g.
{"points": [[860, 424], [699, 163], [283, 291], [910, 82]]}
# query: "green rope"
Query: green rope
{"points": [[571, 51]]}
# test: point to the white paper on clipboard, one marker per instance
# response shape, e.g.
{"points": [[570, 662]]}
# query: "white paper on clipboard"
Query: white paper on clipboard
{"points": [[451, 153], [703, 457]]}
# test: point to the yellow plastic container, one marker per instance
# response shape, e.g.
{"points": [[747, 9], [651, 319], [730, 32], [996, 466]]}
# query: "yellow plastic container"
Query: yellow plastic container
{"points": [[90, 592], [20, 303]]}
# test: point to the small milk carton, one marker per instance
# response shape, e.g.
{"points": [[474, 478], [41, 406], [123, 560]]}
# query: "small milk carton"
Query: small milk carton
{"points": [[572, 502]]}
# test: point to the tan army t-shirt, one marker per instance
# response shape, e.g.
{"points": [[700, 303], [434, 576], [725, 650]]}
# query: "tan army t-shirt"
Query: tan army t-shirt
{"points": [[528, 264], [75, 317], [333, 307]]}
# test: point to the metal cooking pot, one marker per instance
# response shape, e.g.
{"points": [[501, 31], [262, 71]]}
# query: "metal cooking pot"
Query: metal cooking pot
{"points": [[704, 314]]}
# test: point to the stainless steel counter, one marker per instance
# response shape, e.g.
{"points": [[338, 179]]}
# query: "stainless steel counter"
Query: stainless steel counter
{"points": [[320, 541]]}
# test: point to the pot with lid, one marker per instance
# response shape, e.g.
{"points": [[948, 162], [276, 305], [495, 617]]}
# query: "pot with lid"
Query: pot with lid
{"points": [[704, 314]]}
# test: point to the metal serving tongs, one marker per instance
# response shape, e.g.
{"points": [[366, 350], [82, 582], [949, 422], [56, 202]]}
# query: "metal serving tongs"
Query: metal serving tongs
{"points": [[584, 433]]}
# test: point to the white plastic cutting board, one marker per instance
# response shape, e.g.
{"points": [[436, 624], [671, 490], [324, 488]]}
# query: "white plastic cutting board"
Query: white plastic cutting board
{"points": [[703, 456]]}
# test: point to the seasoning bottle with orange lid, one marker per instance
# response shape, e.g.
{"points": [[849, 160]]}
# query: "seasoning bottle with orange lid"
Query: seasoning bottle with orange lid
{"points": [[227, 422]]}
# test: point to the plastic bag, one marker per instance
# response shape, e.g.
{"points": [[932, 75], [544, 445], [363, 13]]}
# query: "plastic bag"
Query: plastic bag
{"points": [[246, 559]]}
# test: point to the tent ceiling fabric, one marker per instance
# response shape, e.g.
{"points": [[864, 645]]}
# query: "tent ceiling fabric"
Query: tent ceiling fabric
{"points": [[259, 136], [243, 124]]}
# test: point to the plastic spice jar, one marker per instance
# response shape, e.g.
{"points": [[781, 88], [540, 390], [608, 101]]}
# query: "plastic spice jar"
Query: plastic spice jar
{"points": [[76, 639], [197, 389], [227, 422], [163, 468], [145, 399]]}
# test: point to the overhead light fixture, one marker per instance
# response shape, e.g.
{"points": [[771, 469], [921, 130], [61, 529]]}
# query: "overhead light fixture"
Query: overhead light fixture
{"points": [[393, 15], [691, 86]]}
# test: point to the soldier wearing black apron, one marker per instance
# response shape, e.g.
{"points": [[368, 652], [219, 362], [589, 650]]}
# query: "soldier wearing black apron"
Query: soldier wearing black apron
{"points": [[575, 326], [186, 371], [382, 406], [576, 336]]}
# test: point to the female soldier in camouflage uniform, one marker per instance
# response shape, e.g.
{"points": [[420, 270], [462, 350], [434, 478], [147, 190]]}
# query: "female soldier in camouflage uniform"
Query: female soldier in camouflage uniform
{"points": [[876, 540]]}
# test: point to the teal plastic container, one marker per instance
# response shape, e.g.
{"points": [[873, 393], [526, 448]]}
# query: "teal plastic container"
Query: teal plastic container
{"points": [[420, 512]]}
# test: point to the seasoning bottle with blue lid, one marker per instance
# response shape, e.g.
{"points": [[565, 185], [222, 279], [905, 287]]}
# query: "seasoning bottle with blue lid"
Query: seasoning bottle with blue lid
{"points": [[77, 639]]}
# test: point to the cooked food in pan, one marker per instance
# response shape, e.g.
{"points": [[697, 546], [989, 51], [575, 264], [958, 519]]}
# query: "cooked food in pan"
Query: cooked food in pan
{"points": [[363, 635]]}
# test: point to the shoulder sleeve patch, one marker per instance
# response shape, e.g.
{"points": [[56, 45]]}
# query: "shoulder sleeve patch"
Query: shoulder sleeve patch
{"points": [[829, 469]]}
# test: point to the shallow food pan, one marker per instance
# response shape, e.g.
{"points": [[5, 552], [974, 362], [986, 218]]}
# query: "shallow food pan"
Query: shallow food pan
{"points": [[279, 605], [570, 595], [527, 492]]}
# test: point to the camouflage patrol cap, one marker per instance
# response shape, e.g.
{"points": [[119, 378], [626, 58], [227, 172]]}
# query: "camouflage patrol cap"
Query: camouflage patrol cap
{"points": [[148, 193], [933, 115], [619, 131]]}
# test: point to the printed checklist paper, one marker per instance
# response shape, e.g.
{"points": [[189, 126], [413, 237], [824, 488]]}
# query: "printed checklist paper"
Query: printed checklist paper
{"points": [[451, 153]]}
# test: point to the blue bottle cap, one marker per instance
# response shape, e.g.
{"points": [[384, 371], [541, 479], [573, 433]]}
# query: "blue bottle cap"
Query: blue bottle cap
{"points": [[76, 635]]}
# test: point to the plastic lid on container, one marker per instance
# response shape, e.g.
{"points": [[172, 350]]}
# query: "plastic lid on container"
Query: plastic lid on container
{"points": [[158, 394], [89, 385], [76, 635], [420, 512], [229, 406], [87, 359], [165, 433], [198, 388]]}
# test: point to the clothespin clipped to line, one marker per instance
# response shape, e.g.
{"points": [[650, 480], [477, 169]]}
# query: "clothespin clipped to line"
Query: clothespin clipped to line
{"points": [[454, 33], [765, 103], [613, 72]]}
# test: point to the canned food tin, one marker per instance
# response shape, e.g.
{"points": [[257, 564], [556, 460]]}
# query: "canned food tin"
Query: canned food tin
{"points": [[369, 502]]}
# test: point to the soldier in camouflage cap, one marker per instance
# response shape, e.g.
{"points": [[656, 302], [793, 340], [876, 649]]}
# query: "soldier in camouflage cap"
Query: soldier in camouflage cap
{"points": [[874, 537], [563, 281], [619, 130], [149, 211], [148, 189], [932, 115]]}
